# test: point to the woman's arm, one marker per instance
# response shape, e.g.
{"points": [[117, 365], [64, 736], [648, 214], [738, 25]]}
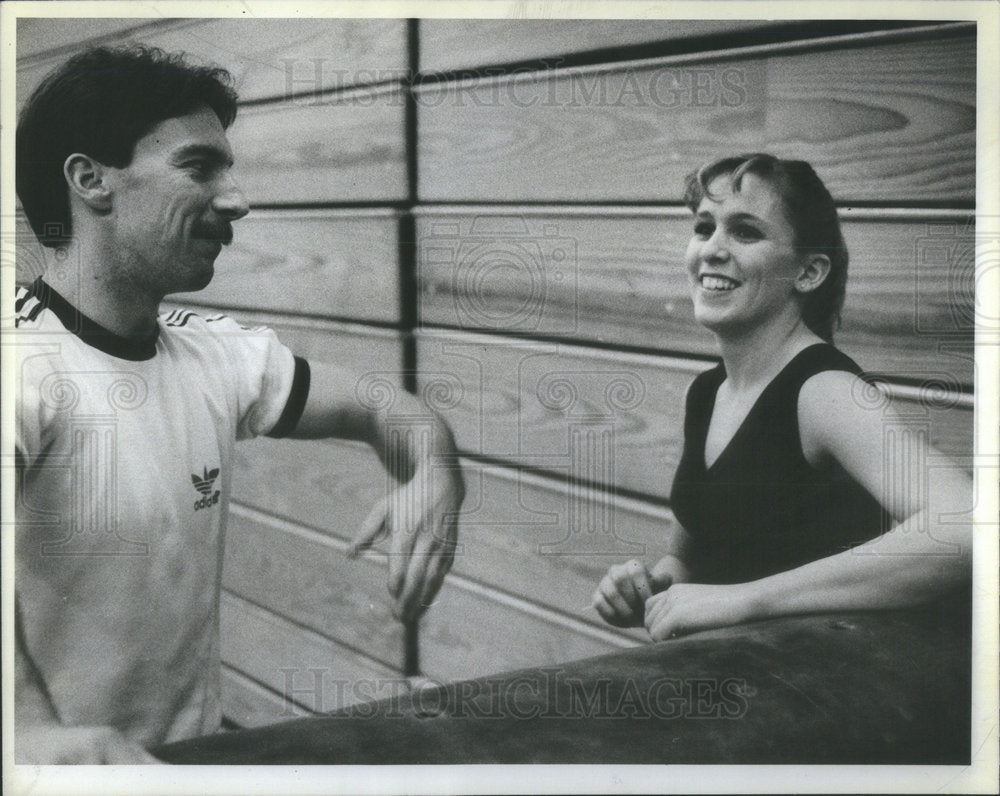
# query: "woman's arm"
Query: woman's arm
{"points": [[926, 555]]}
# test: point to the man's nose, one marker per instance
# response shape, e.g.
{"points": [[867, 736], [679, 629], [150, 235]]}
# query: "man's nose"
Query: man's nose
{"points": [[230, 202]]}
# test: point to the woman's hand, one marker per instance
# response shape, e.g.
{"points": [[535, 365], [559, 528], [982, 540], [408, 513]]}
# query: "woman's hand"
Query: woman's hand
{"points": [[621, 595], [690, 607]]}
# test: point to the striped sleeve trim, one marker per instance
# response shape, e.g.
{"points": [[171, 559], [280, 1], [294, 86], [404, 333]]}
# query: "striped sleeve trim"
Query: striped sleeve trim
{"points": [[27, 306], [296, 401]]}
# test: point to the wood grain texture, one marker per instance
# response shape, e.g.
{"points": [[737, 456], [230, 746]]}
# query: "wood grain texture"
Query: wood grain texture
{"points": [[45, 43], [447, 44], [329, 149], [248, 704], [601, 416], [307, 668], [621, 279], [884, 122], [305, 576], [325, 263], [538, 539], [466, 632], [39, 37], [268, 58]]}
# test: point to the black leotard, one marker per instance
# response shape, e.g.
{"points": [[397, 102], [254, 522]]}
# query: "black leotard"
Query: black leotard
{"points": [[761, 508]]}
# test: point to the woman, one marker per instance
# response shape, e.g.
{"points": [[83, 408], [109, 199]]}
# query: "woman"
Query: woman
{"points": [[787, 493]]}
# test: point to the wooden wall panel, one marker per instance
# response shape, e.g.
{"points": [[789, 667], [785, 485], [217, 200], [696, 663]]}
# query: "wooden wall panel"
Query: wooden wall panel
{"points": [[632, 133], [248, 704], [276, 58], [616, 277], [447, 44], [467, 633], [535, 538], [38, 37], [335, 149], [268, 58], [310, 670], [604, 416], [304, 576], [327, 263], [44, 44]]}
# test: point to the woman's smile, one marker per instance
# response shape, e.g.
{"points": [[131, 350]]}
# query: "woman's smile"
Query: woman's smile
{"points": [[742, 260]]}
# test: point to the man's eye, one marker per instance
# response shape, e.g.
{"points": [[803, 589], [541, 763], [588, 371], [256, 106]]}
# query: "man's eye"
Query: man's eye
{"points": [[201, 168], [703, 229]]}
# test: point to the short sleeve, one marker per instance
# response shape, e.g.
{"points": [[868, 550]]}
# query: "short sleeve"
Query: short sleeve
{"points": [[271, 383]]}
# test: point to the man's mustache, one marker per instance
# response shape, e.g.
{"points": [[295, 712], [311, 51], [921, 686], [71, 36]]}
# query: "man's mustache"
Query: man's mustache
{"points": [[222, 232]]}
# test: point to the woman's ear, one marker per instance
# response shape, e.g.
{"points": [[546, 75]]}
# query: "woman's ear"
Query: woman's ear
{"points": [[85, 177], [812, 273]]}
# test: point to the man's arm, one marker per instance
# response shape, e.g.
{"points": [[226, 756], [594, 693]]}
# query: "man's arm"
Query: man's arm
{"points": [[418, 449]]}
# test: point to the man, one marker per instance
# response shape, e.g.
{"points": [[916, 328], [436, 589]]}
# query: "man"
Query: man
{"points": [[126, 420]]}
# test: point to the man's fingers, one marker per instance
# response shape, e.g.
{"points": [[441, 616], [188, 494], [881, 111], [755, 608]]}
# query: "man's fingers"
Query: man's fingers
{"points": [[400, 552], [432, 581], [407, 605], [372, 529]]}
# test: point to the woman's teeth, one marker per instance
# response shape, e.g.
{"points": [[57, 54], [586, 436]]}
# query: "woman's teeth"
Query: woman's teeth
{"points": [[718, 283]]}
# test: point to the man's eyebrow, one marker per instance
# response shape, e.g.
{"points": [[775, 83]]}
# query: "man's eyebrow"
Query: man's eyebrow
{"points": [[203, 151]]}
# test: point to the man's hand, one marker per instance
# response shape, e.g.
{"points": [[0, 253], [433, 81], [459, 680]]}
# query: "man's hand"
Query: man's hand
{"points": [[48, 744], [421, 518], [621, 595], [690, 607]]}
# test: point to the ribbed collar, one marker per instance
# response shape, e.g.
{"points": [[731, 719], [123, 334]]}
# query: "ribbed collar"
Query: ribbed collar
{"points": [[136, 349]]}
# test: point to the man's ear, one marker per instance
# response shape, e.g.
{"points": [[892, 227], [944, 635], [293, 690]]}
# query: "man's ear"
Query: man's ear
{"points": [[86, 179], [812, 273]]}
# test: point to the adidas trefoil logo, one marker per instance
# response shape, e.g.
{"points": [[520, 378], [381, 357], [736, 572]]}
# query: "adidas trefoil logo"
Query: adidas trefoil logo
{"points": [[204, 485]]}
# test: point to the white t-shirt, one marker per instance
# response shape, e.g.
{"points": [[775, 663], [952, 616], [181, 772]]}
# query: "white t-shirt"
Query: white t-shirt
{"points": [[126, 451]]}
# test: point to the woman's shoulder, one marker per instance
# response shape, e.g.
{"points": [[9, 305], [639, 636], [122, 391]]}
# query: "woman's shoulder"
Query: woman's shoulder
{"points": [[834, 405], [821, 358]]}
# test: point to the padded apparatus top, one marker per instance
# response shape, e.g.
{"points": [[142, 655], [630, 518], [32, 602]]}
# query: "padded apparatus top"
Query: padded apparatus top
{"points": [[878, 687]]}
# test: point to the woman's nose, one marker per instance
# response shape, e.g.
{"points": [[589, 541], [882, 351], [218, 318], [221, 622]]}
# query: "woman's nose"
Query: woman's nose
{"points": [[714, 248]]}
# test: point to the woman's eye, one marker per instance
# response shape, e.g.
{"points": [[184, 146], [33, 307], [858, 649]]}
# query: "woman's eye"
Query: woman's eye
{"points": [[704, 229], [746, 232]]}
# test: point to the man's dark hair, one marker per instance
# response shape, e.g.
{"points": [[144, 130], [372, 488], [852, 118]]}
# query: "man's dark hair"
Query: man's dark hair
{"points": [[100, 103]]}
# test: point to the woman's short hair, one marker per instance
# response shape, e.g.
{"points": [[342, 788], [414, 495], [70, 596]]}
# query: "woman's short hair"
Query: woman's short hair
{"points": [[810, 211], [100, 103]]}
